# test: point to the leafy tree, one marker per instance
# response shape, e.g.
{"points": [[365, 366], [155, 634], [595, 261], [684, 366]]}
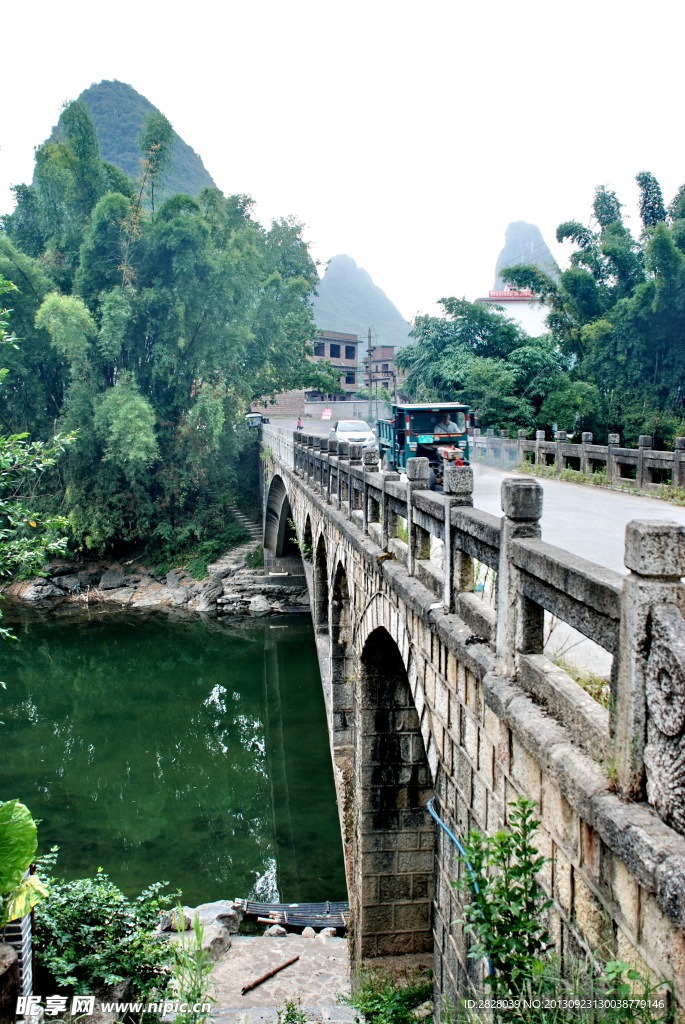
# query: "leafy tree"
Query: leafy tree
{"points": [[477, 356], [618, 313], [156, 141], [157, 325]]}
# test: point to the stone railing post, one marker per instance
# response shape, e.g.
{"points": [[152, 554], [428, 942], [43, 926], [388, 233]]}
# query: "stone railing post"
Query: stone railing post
{"points": [[522, 436], [458, 488], [520, 622], [678, 475], [614, 441], [489, 443], [324, 465], [332, 451], [418, 470], [310, 456], [585, 440], [387, 517], [296, 452], [650, 681], [539, 454], [370, 463], [560, 456], [316, 454], [355, 460], [343, 460], [644, 443]]}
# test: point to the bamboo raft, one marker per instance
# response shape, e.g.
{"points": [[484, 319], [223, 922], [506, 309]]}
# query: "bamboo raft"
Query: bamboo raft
{"points": [[297, 915]]}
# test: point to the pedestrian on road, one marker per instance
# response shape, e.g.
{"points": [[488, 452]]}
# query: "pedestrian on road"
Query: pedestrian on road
{"points": [[299, 423]]}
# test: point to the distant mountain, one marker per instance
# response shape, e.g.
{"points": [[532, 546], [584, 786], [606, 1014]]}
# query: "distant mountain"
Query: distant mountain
{"points": [[523, 243], [118, 113], [350, 302]]}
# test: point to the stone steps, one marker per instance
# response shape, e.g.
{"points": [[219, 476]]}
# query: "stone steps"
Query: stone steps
{"points": [[253, 529]]}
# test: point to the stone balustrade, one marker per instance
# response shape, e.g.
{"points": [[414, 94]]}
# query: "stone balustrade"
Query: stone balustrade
{"points": [[646, 466]]}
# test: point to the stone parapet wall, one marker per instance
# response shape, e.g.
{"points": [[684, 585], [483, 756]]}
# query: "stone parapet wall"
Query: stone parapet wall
{"points": [[645, 466], [490, 717]]}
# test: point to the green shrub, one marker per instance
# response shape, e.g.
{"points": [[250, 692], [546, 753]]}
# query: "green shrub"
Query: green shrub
{"points": [[90, 935], [506, 913], [255, 559], [383, 1000], [506, 916]]}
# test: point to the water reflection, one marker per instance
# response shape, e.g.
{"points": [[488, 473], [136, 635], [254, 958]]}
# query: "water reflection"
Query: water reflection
{"points": [[160, 748]]}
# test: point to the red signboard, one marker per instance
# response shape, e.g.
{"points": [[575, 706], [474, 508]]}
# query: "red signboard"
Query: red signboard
{"points": [[326, 414]]}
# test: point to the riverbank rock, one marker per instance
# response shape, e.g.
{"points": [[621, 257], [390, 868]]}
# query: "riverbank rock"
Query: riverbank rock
{"points": [[222, 911], [230, 588], [259, 605]]}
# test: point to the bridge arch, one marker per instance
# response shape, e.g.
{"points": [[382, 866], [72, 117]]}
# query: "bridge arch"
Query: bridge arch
{"points": [[320, 611], [394, 888], [280, 537], [342, 660], [308, 543]]}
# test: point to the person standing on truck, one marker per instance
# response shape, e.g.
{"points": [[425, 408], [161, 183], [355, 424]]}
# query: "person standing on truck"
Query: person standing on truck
{"points": [[446, 425]]}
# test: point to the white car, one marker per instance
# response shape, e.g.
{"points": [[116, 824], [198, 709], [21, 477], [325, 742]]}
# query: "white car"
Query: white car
{"points": [[354, 431]]}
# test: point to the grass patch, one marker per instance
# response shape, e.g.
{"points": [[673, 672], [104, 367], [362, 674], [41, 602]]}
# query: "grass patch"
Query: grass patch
{"points": [[383, 999], [597, 686], [664, 492]]}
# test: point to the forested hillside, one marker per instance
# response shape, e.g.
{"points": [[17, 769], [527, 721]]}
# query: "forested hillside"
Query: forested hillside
{"points": [[147, 328], [119, 113]]}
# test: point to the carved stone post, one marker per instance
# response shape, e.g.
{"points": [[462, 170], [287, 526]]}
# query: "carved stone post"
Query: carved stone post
{"points": [[560, 457], [650, 684], [458, 488], [585, 439], [522, 436], [417, 480], [332, 453], [296, 452], [355, 460], [519, 621], [370, 462], [316, 456], [644, 443], [343, 457], [324, 465], [387, 517], [310, 454], [614, 442], [678, 477], [539, 454]]}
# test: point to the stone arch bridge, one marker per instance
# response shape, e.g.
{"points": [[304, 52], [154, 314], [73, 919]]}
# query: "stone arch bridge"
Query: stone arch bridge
{"points": [[432, 691]]}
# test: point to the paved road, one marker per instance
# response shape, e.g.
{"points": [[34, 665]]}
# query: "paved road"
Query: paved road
{"points": [[588, 521]]}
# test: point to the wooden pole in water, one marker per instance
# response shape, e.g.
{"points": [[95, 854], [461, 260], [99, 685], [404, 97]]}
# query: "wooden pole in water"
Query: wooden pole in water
{"points": [[265, 977]]}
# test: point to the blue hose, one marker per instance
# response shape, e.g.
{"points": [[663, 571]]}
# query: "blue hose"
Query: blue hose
{"points": [[462, 853]]}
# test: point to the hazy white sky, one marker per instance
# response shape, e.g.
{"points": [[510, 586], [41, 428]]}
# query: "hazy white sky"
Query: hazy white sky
{"points": [[407, 135]]}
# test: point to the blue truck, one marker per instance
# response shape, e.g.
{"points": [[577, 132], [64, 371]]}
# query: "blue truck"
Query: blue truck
{"points": [[437, 432]]}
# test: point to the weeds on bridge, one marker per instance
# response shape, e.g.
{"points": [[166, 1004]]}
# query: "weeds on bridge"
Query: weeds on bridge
{"points": [[383, 999], [506, 916]]}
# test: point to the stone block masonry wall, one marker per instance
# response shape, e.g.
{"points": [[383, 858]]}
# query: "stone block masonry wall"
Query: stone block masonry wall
{"points": [[454, 699]]}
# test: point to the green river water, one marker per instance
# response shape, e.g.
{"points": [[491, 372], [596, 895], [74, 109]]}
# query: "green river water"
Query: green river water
{"points": [[175, 749]]}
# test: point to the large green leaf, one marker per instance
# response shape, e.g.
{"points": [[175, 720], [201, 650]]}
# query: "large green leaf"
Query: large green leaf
{"points": [[23, 899], [18, 843]]}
